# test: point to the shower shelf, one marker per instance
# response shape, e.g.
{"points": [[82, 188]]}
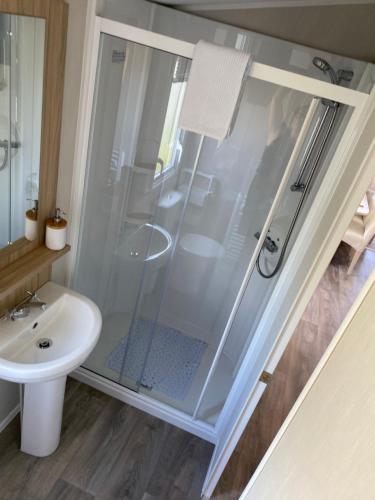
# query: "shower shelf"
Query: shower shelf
{"points": [[14, 274]]}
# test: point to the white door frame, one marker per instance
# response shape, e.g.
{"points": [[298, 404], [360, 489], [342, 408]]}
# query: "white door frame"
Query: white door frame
{"points": [[361, 104]]}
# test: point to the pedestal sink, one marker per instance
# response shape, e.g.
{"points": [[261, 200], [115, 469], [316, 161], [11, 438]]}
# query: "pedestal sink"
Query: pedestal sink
{"points": [[39, 351]]}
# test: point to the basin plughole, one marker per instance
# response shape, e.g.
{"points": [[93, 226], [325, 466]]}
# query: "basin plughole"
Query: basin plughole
{"points": [[39, 351]]}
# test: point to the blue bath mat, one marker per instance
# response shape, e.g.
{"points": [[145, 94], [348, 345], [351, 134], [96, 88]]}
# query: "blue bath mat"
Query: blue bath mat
{"points": [[171, 365]]}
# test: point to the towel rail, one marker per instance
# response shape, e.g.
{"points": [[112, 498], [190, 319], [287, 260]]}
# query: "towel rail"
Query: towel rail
{"points": [[260, 71]]}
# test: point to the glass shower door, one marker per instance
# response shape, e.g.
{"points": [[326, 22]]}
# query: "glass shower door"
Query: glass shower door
{"points": [[133, 164]]}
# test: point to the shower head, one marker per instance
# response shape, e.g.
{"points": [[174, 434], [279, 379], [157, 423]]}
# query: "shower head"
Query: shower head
{"points": [[321, 64], [336, 77], [326, 68]]}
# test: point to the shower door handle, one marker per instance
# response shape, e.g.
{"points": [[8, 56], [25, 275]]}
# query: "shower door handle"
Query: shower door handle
{"points": [[3, 78], [4, 145]]}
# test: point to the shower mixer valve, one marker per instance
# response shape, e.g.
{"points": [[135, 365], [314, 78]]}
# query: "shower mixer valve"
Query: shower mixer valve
{"points": [[298, 187], [268, 243]]}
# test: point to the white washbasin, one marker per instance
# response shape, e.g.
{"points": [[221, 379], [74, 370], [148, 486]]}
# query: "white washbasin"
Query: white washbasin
{"points": [[71, 321], [70, 327]]}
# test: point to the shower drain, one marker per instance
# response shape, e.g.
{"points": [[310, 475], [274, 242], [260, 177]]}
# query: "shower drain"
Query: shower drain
{"points": [[44, 343]]}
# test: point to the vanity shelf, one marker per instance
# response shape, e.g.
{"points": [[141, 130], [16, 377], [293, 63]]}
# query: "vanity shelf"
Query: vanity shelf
{"points": [[19, 271]]}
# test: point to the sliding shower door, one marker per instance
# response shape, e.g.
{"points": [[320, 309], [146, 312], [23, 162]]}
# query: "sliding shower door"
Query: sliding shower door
{"points": [[171, 221], [133, 167]]}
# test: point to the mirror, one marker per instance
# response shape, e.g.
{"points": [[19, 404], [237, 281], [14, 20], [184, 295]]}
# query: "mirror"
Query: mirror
{"points": [[21, 97]]}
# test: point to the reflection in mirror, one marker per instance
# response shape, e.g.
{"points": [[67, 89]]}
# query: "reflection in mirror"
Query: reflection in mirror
{"points": [[21, 97]]}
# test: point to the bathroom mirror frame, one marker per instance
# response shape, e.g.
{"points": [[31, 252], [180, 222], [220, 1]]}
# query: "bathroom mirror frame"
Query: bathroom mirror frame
{"points": [[55, 15]]}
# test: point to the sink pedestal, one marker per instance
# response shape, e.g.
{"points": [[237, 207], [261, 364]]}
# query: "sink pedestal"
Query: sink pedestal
{"points": [[41, 415], [39, 352]]}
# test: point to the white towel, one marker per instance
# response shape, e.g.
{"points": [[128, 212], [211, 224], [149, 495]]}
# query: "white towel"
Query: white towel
{"points": [[213, 90]]}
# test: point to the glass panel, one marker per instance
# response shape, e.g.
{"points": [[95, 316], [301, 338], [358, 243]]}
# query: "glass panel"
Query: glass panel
{"points": [[26, 90], [5, 28], [228, 199], [259, 288], [21, 96]]}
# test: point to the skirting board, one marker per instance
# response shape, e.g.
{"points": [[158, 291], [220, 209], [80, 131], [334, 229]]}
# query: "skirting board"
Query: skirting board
{"points": [[147, 404], [11, 415]]}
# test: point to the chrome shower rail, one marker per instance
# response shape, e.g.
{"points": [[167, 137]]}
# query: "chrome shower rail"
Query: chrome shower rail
{"points": [[330, 113], [298, 185], [304, 189]]}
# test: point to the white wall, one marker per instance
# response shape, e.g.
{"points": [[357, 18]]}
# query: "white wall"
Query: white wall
{"points": [[9, 399], [136, 12], [72, 83], [78, 11], [327, 449]]}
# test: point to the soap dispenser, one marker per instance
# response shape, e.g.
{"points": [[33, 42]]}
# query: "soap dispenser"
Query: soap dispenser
{"points": [[56, 229], [31, 222]]}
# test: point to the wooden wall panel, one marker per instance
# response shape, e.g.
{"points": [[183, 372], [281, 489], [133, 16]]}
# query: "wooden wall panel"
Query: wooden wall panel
{"points": [[32, 284], [55, 13]]}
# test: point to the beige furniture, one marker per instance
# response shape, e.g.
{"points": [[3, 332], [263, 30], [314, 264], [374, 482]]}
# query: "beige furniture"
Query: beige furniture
{"points": [[360, 232], [363, 208], [325, 450]]}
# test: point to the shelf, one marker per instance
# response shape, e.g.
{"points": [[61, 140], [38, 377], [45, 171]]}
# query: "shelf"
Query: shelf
{"points": [[14, 274]]}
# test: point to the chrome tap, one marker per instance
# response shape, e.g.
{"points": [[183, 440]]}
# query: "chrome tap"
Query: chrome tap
{"points": [[22, 309]]}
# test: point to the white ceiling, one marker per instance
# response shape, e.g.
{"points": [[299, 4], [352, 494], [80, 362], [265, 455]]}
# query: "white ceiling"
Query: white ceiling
{"points": [[251, 4]]}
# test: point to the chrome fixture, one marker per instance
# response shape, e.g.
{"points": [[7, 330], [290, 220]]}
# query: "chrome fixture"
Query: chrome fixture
{"points": [[335, 77], [4, 145], [269, 243], [44, 343], [312, 156], [22, 309]]}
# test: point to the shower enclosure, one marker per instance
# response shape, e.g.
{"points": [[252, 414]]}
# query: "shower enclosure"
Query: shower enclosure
{"points": [[173, 223]]}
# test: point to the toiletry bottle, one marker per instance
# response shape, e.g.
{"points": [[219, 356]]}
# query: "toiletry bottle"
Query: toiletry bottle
{"points": [[56, 231], [31, 222]]}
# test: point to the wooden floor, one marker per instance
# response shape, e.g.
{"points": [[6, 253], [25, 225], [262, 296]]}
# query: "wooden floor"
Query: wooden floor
{"points": [[108, 450], [323, 315]]}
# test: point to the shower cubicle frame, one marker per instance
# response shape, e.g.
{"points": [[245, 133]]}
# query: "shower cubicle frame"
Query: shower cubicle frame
{"points": [[269, 340]]}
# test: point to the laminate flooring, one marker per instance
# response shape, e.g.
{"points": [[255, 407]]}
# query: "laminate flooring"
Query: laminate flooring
{"points": [[111, 451], [108, 450], [327, 308]]}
